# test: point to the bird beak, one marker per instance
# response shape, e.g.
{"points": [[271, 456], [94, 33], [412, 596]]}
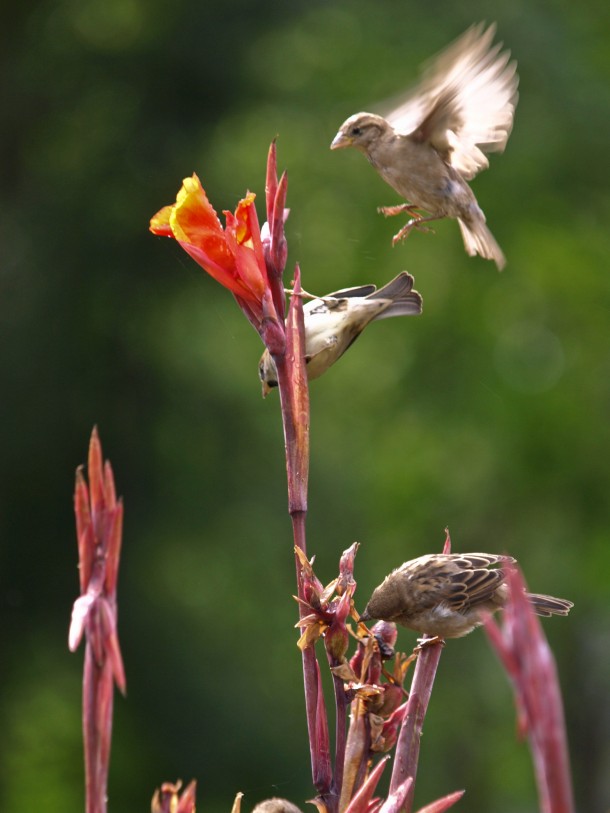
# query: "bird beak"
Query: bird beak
{"points": [[265, 388], [341, 140]]}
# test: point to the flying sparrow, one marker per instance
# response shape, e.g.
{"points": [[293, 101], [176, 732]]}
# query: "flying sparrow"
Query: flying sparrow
{"points": [[444, 594], [432, 143], [334, 322]]}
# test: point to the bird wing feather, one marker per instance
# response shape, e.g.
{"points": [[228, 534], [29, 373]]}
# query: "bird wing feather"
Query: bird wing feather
{"points": [[360, 290], [322, 307], [465, 102], [398, 296], [472, 582], [461, 581]]}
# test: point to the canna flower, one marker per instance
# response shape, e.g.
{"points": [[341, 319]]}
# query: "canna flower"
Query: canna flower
{"points": [[234, 256]]}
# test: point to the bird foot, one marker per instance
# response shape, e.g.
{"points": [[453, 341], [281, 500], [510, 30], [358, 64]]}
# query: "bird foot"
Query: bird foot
{"points": [[390, 211], [414, 223], [422, 643]]}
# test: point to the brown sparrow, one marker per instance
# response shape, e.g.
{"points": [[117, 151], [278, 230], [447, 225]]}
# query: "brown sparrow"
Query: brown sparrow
{"points": [[444, 595], [432, 143], [334, 322]]}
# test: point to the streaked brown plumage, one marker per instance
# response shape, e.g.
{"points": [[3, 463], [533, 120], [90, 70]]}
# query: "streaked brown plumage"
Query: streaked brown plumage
{"points": [[432, 143], [444, 594]]}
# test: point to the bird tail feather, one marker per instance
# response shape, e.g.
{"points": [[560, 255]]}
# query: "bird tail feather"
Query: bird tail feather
{"points": [[479, 240], [405, 301], [549, 605]]}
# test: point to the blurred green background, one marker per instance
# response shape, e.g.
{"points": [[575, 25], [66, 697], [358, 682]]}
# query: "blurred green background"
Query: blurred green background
{"points": [[488, 414]]}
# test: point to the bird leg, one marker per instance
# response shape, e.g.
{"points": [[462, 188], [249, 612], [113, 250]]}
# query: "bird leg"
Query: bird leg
{"points": [[414, 223], [389, 211]]}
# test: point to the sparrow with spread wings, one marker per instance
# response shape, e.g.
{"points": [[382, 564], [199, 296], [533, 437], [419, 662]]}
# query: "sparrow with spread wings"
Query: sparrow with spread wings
{"points": [[435, 141]]}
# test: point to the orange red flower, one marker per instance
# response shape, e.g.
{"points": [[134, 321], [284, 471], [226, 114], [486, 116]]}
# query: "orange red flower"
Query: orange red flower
{"points": [[232, 255]]}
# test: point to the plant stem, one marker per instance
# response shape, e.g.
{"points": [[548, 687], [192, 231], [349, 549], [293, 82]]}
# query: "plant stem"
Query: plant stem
{"points": [[341, 704], [407, 747], [294, 397]]}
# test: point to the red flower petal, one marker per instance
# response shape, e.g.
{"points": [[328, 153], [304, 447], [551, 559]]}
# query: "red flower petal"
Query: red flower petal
{"points": [[234, 257]]}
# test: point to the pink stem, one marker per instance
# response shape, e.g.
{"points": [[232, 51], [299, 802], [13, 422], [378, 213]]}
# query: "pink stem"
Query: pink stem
{"points": [[294, 398], [98, 692], [409, 739], [341, 704]]}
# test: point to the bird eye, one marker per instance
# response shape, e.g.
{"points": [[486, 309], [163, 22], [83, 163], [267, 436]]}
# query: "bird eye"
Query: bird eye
{"points": [[357, 131]]}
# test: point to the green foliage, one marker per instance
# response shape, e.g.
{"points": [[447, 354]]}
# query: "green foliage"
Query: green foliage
{"points": [[488, 414]]}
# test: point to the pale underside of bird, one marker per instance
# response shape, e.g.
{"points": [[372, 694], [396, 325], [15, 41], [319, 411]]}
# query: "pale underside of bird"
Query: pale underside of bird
{"points": [[435, 139], [447, 595], [334, 322]]}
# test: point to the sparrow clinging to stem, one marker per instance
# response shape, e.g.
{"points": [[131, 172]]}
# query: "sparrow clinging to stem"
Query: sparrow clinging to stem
{"points": [[435, 141], [334, 322], [445, 595]]}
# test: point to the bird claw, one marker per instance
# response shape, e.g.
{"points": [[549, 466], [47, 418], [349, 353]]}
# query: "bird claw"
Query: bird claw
{"points": [[422, 643], [414, 223]]}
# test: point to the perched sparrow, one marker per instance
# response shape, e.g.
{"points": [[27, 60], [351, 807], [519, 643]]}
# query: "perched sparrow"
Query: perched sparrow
{"points": [[443, 594], [334, 322], [429, 146]]}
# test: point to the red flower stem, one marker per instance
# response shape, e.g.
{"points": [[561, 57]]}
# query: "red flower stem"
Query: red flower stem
{"points": [[341, 704], [98, 693], [356, 753], [407, 747], [546, 725], [90, 738], [99, 523], [294, 398], [527, 658], [310, 666]]}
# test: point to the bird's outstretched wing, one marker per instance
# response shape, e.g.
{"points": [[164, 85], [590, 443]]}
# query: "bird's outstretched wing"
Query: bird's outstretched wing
{"points": [[464, 103]]}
